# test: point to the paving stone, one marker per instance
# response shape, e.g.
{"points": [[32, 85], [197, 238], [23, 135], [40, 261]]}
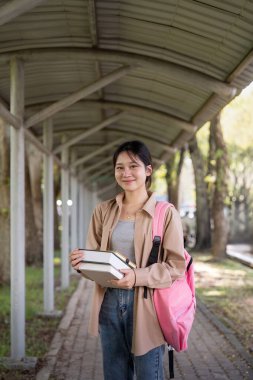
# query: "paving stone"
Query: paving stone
{"points": [[212, 353]]}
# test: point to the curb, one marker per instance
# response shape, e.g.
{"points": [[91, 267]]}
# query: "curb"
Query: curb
{"points": [[62, 329]]}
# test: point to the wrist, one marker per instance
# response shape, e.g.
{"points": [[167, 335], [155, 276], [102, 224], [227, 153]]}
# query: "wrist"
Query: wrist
{"points": [[134, 278]]}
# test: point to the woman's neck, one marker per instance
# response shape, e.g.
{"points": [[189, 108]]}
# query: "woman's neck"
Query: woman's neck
{"points": [[134, 198]]}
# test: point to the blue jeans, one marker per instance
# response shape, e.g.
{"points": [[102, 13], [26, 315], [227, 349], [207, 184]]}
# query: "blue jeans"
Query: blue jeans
{"points": [[116, 330]]}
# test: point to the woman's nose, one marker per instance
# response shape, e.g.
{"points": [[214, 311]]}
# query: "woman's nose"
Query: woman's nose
{"points": [[126, 172]]}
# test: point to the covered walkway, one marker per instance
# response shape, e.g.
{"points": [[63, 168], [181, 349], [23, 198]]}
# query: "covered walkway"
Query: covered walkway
{"points": [[214, 352], [80, 76]]}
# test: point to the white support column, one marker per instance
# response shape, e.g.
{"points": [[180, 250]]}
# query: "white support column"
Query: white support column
{"points": [[73, 215], [65, 246], [87, 211], [74, 198], [17, 214], [48, 221], [81, 219]]}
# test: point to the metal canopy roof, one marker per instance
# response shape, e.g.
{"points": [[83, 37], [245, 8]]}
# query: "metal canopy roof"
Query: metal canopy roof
{"points": [[110, 71]]}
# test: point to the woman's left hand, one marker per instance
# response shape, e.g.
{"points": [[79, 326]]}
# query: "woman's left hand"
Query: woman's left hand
{"points": [[127, 282]]}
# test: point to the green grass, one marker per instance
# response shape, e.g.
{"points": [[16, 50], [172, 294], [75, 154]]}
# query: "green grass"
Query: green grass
{"points": [[226, 287], [39, 330]]}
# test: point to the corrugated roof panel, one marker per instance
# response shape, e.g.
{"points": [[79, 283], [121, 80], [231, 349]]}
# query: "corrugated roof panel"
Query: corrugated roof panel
{"points": [[52, 22], [146, 127], [198, 30], [64, 78]]}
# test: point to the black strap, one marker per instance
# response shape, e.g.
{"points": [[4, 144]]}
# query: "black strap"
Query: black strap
{"points": [[153, 257], [189, 264], [171, 363]]}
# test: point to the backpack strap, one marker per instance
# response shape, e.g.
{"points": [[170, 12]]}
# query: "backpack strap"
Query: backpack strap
{"points": [[189, 264], [171, 361], [157, 233]]}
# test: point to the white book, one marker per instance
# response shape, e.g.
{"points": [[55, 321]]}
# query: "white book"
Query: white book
{"points": [[101, 273], [101, 266]]}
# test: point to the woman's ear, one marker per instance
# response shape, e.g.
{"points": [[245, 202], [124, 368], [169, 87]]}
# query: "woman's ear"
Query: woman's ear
{"points": [[149, 170]]}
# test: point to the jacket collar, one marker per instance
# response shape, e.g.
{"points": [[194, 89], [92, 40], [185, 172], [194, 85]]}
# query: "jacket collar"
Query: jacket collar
{"points": [[149, 206]]}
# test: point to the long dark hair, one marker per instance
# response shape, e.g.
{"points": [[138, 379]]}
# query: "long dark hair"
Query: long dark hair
{"points": [[135, 148]]}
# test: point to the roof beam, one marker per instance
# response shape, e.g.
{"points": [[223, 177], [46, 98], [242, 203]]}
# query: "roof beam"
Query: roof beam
{"points": [[172, 70], [139, 111], [133, 135], [95, 166], [15, 8], [76, 96], [146, 113], [9, 117], [86, 158], [241, 67], [94, 176], [13, 121], [91, 131], [92, 22], [206, 111]]}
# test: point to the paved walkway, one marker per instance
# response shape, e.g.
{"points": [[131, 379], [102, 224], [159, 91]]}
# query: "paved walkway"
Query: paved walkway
{"points": [[241, 252], [214, 352]]}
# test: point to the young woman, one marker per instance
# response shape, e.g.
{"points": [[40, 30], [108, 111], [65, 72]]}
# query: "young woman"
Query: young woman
{"points": [[131, 337]]}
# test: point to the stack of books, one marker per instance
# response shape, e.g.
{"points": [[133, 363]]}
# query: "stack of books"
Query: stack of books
{"points": [[102, 266]]}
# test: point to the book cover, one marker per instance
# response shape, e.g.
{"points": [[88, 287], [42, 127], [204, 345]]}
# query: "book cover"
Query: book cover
{"points": [[101, 266], [100, 273], [116, 259]]}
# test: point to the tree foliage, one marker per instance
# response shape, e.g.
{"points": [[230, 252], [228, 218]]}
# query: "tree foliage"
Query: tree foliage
{"points": [[237, 128], [237, 123]]}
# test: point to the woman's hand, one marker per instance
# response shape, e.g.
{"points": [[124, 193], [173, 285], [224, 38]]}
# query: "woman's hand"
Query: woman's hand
{"points": [[75, 257], [127, 282]]}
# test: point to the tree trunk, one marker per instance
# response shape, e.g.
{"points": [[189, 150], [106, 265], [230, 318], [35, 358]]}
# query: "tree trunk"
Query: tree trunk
{"points": [[220, 232], [4, 203], [174, 167], [211, 167], [203, 229], [33, 247]]}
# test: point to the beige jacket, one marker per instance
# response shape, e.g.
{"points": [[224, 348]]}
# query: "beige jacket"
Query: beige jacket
{"points": [[147, 333]]}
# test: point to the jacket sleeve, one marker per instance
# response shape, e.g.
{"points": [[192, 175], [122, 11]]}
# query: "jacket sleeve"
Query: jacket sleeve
{"points": [[94, 235], [162, 275]]}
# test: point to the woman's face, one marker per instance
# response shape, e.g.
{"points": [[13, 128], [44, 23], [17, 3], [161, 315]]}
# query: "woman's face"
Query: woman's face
{"points": [[130, 172]]}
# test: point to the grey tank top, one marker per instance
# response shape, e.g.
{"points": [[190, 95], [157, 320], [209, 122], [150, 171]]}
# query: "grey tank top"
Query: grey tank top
{"points": [[122, 239]]}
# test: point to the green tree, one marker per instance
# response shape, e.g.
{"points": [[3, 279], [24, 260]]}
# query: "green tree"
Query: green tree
{"points": [[241, 194], [220, 224], [237, 125]]}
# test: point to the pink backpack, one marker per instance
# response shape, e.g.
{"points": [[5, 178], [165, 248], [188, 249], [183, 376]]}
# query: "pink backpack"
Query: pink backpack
{"points": [[175, 306]]}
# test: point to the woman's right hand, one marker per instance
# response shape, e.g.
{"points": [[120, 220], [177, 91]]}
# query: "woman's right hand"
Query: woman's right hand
{"points": [[75, 257]]}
